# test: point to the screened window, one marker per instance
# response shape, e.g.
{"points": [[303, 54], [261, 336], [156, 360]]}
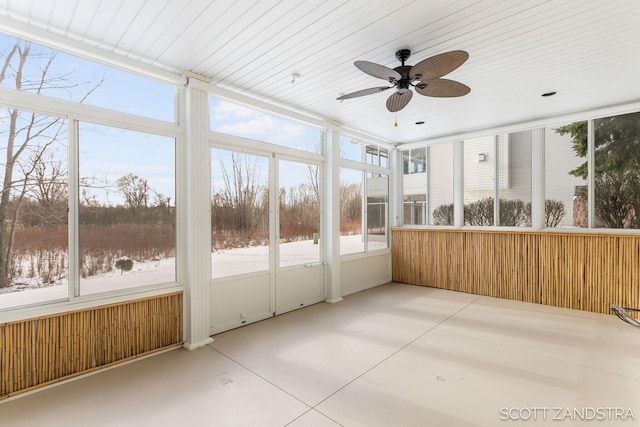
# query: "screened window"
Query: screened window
{"points": [[127, 209], [377, 211], [377, 156], [441, 183], [514, 191], [299, 213], [414, 186], [59, 75], [351, 221], [414, 161], [566, 175], [359, 151], [617, 171], [479, 177], [33, 208], [351, 149], [237, 120], [239, 213]]}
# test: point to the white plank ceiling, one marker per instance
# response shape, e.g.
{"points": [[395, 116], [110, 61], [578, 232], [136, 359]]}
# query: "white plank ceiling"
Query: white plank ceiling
{"points": [[586, 50]]}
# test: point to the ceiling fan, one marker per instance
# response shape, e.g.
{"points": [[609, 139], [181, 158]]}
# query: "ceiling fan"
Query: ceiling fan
{"points": [[425, 76]]}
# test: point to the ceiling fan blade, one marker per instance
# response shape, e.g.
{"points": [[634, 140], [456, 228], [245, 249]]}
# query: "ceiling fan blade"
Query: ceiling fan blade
{"points": [[363, 92], [438, 65], [377, 70], [398, 101], [442, 88]]}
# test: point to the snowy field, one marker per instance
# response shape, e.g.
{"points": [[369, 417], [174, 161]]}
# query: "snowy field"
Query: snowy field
{"points": [[225, 263]]}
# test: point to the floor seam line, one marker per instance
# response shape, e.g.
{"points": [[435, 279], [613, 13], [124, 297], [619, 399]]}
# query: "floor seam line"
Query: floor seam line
{"points": [[395, 352], [261, 377]]}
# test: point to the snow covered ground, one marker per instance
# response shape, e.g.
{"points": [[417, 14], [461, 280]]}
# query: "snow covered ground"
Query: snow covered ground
{"points": [[225, 263]]}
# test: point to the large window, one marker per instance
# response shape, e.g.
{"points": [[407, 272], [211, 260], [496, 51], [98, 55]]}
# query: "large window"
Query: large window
{"points": [[59, 75], [377, 211], [238, 120], [34, 260], [351, 224], [514, 191], [364, 211], [414, 182], [480, 165], [125, 180], [359, 151], [441, 184], [127, 209], [566, 176], [299, 213], [617, 171], [239, 213]]}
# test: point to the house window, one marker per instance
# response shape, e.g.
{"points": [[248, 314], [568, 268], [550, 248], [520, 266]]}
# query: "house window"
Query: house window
{"points": [[414, 161]]}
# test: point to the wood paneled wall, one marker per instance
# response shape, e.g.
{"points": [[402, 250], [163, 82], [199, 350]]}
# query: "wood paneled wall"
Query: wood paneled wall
{"points": [[573, 270], [45, 350]]}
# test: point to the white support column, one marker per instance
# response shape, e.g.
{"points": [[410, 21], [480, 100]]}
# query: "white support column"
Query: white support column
{"points": [[591, 170], [195, 176], [395, 188], [537, 179], [332, 215], [458, 184], [496, 175]]}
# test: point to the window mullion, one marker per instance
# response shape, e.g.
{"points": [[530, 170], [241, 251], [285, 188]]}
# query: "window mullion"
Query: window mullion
{"points": [[73, 207]]}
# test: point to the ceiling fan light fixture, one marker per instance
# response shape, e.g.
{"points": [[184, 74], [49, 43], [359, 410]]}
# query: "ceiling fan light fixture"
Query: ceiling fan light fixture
{"points": [[425, 77]]}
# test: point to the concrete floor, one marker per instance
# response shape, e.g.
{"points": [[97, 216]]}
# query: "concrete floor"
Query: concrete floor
{"points": [[395, 355]]}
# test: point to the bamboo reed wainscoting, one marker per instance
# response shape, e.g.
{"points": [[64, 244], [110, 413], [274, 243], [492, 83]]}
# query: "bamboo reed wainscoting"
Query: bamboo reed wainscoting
{"points": [[41, 351], [572, 270]]}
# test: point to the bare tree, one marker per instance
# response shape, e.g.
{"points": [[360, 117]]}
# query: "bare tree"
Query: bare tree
{"points": [[29, 138], [135, 190], [242, 192]]}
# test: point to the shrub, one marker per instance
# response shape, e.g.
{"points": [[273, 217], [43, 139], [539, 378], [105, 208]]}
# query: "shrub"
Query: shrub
{"points": [[124, 264], [513, 213], [443, 215], [553, 212]]}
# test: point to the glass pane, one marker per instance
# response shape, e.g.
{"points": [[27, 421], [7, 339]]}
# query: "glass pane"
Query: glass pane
{"points": [[351, 236], [617, 171], [377, 208], [565, 172], [479, 167], [377, 156], [441, 183], [351, 149], [414, 190], [239, 213], [515, 180], [60, 75], [299, 213], [33, 208], [237, 120], [127, 209]]}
